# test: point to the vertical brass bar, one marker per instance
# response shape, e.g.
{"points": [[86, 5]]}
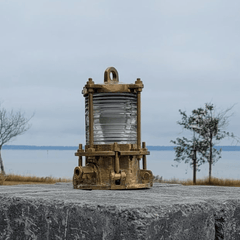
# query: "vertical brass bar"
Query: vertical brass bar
{"points": [[144, 157], [90, 108], [138, 119], [116, 161], [80, 157], [116, 165], [80, 161], [144, 162]]}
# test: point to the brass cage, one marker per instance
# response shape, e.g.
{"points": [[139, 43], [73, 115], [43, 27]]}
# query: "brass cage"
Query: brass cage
{"points": [[112, 160]]}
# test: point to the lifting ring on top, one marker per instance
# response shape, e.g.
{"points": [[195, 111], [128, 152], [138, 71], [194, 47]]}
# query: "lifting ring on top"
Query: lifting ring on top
{"points": [[107, 77]]}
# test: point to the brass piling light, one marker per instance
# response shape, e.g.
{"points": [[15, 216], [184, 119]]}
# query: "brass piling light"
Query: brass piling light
{"points": [[113, 137]]}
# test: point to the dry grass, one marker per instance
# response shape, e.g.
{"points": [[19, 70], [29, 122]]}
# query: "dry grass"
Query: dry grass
{"points": [[2, 178], [12, 179], [204, 181]]}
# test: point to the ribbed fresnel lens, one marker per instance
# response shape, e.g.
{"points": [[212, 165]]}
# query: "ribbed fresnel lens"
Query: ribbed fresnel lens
{"points": [[114, 118], [113, 149]]}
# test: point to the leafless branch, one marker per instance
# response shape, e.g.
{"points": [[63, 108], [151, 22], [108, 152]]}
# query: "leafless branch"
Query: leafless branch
{"points": [[12, 124]]}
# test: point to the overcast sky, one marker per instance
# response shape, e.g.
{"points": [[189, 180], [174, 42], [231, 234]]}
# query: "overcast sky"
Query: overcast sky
{"points": [[186, 53]]}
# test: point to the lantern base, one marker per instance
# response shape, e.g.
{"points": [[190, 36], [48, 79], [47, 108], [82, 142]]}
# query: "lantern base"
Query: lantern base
{"points": [[90, 178], [116, 187], [113, 166]]}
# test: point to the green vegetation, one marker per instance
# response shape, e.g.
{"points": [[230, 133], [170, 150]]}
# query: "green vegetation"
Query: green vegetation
{"points": [[208, 127]]}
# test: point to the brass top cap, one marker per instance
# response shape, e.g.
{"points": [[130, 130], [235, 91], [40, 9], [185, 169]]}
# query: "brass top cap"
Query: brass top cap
{"points": [[111, 79], [111, 84]]}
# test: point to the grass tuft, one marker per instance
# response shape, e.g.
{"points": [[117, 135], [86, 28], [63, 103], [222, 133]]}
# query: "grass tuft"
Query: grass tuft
{"points": [[2, 178], [12, 179], [204, 181]]}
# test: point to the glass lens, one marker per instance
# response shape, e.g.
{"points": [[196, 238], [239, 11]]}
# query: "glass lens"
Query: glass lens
{"points": [[114, 118]]}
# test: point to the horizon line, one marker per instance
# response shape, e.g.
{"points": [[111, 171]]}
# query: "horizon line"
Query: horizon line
{"points": [[150, 147], [26, 145]]}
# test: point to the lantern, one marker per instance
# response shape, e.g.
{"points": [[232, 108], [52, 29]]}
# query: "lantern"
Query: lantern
{"points": [[113, 149]]}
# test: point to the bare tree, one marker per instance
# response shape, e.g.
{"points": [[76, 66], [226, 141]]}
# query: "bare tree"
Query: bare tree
{"points": [[12, 124]]}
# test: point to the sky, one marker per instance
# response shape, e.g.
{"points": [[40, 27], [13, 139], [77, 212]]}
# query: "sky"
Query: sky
{"points": [[187, 53]]}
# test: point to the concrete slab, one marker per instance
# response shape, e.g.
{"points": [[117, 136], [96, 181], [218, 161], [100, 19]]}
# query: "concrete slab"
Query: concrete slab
{"points": [[164, 212]]}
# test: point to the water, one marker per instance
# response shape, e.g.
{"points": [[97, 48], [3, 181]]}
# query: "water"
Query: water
{"points": [[160, 162], [41, 163], [58, 163]]}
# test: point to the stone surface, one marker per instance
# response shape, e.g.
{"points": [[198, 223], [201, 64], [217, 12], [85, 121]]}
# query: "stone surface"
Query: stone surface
{"points": [[163, 212]]}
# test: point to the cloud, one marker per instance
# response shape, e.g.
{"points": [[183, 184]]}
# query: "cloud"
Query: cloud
{"points": [[186, 53]]}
